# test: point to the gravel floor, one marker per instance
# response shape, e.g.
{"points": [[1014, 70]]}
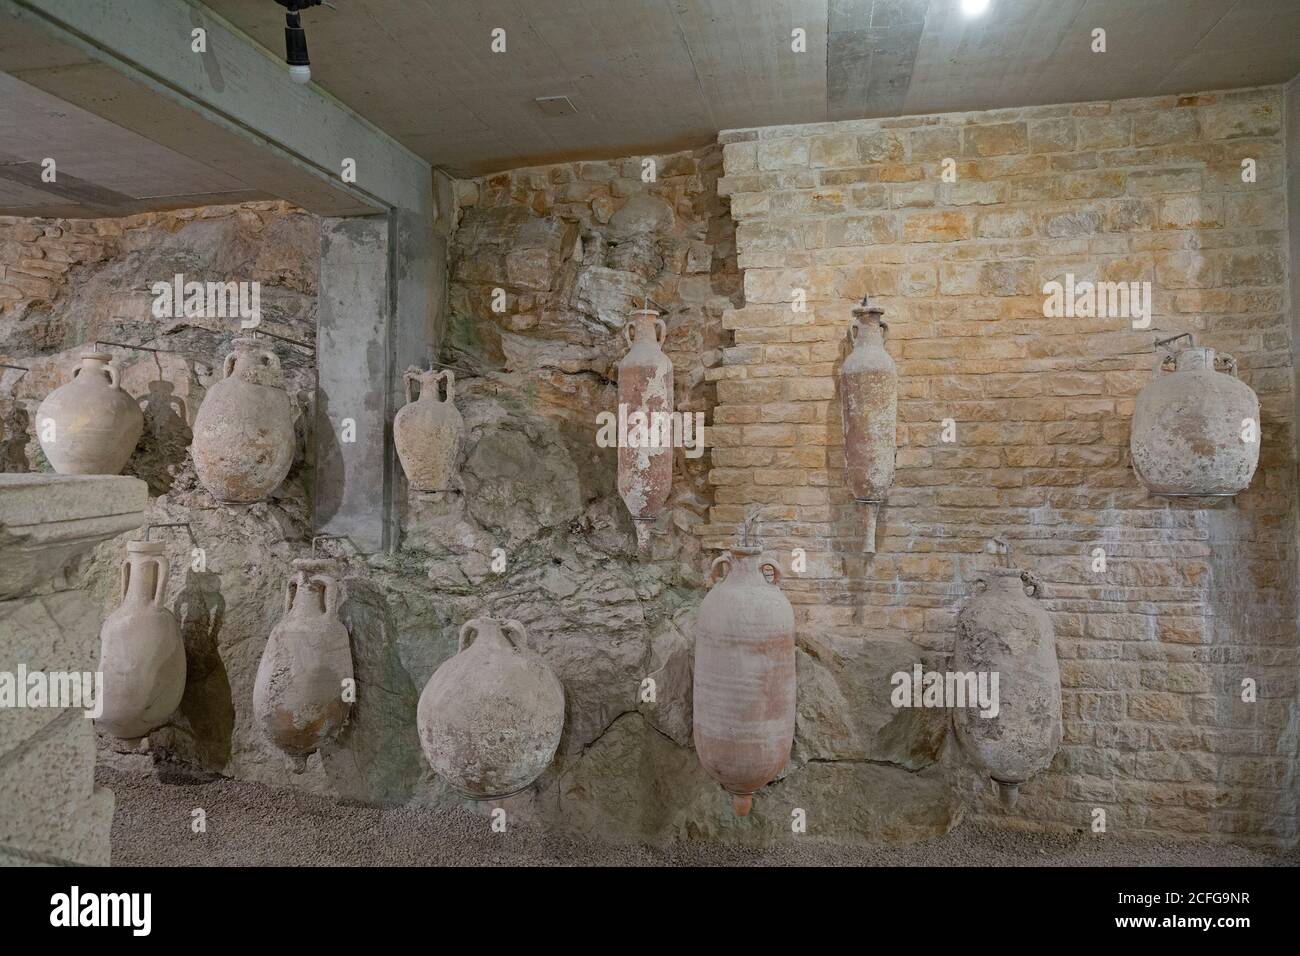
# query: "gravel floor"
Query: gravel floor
{"points": [[250, 824]]}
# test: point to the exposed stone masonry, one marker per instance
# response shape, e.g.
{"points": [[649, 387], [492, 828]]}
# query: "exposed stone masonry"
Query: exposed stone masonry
{"points": [[1198, 594]]}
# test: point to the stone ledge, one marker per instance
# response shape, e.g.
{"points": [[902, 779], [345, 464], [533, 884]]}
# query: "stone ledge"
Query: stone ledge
{"points": [[46, 520]]}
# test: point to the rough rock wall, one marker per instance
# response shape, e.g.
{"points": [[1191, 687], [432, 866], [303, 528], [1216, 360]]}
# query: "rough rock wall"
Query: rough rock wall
{"points": [[1197, 594], [573, 248], [80, 281], [1148, 656], [566, 252]]}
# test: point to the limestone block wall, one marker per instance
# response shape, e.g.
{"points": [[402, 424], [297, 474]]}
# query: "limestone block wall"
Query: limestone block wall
{"points": [[1197, 595]]}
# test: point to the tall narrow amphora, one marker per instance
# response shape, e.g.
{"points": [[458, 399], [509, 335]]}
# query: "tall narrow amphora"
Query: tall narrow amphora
{"points": [[645, 398], [744, 694], [869, 403]]}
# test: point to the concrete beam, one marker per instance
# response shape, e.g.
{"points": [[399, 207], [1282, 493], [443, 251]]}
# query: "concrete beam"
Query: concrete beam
{"points": [[103, 170], [133, 64]]}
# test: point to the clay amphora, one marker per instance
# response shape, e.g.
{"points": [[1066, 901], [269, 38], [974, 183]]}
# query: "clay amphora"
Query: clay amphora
{"points": [[869, 402], [243, 434], [1189, 427], [645, 387], [1003, 631], [303, 692], [89, 425], [428, 431], [744, 694], [490, 718], [140, 649]]}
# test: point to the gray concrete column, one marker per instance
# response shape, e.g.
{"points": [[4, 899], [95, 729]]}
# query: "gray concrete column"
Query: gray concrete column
{"points": [[354, 322]]}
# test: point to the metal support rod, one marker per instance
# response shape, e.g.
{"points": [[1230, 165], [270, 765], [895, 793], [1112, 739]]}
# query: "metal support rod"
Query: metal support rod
{"points": [[749, 529], [336, 537], [136, 348], [283, 338], [172, 524], [1174, 338], [646, 302], [433, 363]]}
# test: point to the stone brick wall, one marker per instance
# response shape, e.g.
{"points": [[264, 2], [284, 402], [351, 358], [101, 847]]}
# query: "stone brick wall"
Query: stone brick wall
{"points": [[1197, 594]]}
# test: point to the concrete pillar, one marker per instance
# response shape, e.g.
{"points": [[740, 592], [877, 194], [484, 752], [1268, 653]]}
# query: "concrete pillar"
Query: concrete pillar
{"points": [[354, 317], [1291, 101], [1291, 95], [47, 624]]}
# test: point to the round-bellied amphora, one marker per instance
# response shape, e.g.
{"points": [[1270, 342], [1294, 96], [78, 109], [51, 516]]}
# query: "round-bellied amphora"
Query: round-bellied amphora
{"points": [[869, 404], [490, 718], [300, 696], [1003, 631], [89, 425], [645, 394], [243, 434], [744, 689], [428, 431], [141, 653], [1195, 430]]}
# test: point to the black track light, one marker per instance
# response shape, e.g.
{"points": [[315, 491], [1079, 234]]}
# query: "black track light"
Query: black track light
{"points": [[295, 39]]}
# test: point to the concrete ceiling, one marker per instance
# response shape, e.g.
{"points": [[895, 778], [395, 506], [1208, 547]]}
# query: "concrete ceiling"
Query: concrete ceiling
{"points": [[100, 169], [654, 75], [642, 75]]}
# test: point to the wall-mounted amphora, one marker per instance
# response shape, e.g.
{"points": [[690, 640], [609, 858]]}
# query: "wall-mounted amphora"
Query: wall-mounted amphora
{"points": [[645, 391], [303, 691], [428, 431], [1195, 429], [869, 402], [243, 434], [142, 656], [490, 718], [89, 425], [744, 693]]}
